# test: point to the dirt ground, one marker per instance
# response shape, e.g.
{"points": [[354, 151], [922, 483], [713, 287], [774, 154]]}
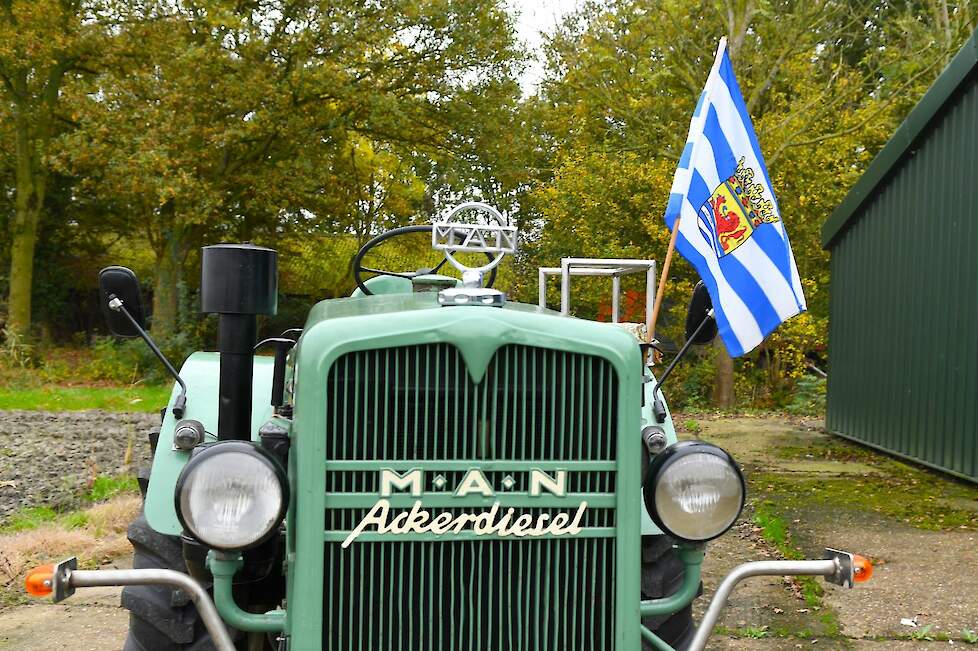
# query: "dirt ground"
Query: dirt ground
{"points": [[91, 620], [75, 447], [926, 565]]}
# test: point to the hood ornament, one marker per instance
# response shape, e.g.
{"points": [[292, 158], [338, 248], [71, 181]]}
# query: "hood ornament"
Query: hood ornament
{"points": [[489, 235]]}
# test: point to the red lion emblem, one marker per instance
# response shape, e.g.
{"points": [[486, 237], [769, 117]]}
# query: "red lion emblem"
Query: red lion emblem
{"points": [[730, 225]]}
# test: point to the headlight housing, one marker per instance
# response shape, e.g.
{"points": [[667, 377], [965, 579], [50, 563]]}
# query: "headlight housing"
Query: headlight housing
{"points": [[694, 491], [231, 495]]}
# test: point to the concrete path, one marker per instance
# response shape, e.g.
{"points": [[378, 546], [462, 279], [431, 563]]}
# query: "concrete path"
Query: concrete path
{"points": [[927, 576], [90, 620]]}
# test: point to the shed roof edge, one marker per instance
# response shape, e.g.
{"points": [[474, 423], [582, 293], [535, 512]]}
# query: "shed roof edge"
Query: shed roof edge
{"points": [[927, 109]]}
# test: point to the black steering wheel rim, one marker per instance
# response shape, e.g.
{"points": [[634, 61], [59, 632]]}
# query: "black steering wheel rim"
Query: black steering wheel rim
{"points": [[358, 267]]}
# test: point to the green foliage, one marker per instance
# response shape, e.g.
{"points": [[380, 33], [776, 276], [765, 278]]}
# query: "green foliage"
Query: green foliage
{"points": [[114, 361], [129, 361], [754, 632], [968, 636], [16, 351], [825, 83], [919, 498], [775, 531], [692, 381], [311, 125], [308, 118], [76, 520], [923, 633], [29, 518], [808, 398], [105, 487]]}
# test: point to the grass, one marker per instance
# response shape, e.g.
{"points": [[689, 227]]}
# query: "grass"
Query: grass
{"points": [[37, 535], [29, 518], [73, 378], [754, 632], [96, 535], [72, 398], [774, 530], [103, 489], [923, 633]]}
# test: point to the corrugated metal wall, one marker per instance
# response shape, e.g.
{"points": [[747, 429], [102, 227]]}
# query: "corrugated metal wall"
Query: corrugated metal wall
{"points": [[903, 331]]}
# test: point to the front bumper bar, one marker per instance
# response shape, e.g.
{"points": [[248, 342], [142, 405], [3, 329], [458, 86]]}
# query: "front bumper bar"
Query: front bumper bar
{"points": [[66, 578], [837, 567]]}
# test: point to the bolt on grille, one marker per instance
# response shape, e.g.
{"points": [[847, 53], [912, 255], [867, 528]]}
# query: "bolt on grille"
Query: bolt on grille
{"points": [[419, 404]]}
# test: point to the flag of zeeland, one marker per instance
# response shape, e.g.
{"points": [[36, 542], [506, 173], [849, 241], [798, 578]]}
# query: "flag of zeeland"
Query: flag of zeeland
{"points": [[730, 227]]}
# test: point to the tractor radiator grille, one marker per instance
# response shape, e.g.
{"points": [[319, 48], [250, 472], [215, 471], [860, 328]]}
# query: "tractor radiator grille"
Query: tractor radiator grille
{"points": [[469, 595], [419, 404]]}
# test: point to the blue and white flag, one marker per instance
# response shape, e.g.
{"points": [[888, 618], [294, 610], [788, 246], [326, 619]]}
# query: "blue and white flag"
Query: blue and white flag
{"points": [[730, 227]]}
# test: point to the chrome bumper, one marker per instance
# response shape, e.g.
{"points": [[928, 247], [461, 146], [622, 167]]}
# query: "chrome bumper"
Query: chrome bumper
{"points": [[837, 567], [66, 578]]}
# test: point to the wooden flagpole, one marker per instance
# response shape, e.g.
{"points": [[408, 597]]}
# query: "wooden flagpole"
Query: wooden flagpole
{"points": [[664, 277]]}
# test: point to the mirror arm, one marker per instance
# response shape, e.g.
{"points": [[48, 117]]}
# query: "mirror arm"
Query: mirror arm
{"points": [[682, 353], [180, 404]]}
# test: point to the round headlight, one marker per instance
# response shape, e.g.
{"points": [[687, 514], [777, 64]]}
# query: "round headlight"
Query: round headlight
{"points": [[231, 495], [694, 491]]}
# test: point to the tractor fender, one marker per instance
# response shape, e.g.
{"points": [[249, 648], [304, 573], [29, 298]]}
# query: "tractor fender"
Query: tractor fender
{"points": [[201, 373]]}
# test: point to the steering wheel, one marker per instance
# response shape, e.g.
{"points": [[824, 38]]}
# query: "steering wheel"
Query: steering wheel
{"points": [[358, 267]]}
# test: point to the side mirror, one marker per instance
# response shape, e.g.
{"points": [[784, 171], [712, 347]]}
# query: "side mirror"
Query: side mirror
{"points": [[119, 283], [700, 306]]}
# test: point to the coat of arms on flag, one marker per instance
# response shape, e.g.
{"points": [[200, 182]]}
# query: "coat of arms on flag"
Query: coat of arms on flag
{"points": [[729, 225], [736, 207]]}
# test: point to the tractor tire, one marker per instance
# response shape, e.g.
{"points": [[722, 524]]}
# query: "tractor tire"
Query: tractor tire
{"points": [[160, 618], [662, 574]]}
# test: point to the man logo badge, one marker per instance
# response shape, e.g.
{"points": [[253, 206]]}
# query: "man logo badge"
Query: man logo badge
{"points": [[498, 521]]}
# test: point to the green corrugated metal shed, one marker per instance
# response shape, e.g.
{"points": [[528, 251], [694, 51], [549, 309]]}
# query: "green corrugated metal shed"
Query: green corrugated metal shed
{"points": [[903, 327]]}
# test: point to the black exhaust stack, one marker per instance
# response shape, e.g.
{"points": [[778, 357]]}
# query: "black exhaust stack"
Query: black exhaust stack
{"points": [[237, 282]]}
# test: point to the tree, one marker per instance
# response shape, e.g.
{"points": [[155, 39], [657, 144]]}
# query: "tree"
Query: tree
{"points": [[825, 82], [43, 45], [223, 120]]}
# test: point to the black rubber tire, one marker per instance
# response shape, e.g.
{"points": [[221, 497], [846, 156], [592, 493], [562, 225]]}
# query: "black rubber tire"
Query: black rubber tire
{"points": [[160, 618], [662, 574]]}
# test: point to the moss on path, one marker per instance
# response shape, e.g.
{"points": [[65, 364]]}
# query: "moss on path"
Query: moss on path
{"points": [[809, 490]]}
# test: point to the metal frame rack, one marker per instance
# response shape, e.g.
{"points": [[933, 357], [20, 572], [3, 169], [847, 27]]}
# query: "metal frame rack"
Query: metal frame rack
{"points": [[601, 267]]}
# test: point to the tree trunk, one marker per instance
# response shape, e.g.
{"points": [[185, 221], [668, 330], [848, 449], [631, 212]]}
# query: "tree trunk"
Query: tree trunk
{"points": [[723, 388], [22, 244], [165, 285], [30, 181]]}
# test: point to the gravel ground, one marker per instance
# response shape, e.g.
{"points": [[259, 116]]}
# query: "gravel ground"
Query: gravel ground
{"points": [[52, 457]]}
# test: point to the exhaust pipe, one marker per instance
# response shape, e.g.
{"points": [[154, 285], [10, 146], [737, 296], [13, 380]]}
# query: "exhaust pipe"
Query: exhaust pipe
{"points": [[237, 282]]}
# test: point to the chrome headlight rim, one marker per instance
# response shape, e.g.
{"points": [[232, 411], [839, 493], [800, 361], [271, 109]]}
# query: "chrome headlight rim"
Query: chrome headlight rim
{"points": [[673, 453], [204, 454]]}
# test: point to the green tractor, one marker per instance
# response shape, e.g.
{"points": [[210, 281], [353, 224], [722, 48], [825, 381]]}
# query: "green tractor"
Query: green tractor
{"points": [[422, 466]]}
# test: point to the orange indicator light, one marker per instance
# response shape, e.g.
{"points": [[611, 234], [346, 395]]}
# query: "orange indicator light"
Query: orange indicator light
{"points": [[40, 581], [862, 569]]}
